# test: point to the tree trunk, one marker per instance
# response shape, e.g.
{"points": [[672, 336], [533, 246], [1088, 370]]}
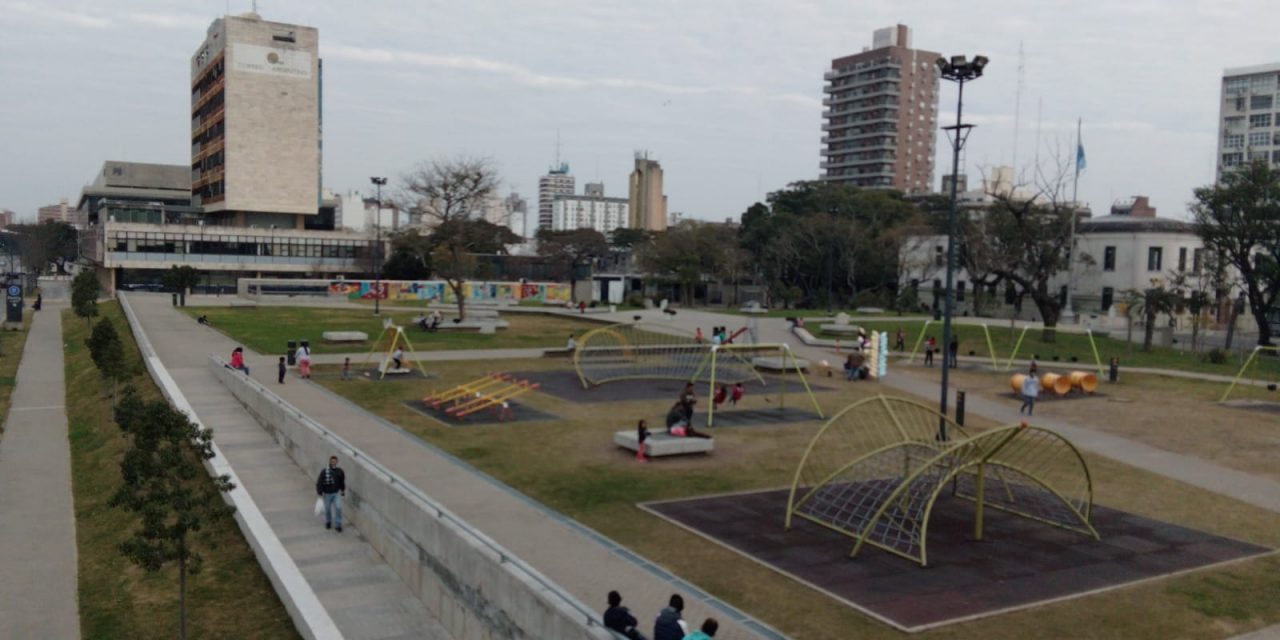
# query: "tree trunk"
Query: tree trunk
{"points": [[1231, 329], [182, 594], [1147, 333], [456, 285]]}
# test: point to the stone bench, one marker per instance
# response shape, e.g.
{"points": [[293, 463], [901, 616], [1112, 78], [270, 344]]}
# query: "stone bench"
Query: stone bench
{"points": [[660, 444], [779, 363], [344, 336], [753, 307]]}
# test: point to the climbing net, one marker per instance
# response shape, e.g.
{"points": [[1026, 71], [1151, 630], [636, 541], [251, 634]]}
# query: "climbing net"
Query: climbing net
{"points": [[643, 350], [874, 471]]}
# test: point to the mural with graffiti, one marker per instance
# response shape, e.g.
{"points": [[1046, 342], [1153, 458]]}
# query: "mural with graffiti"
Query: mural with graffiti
{"points": [[439, 291]]}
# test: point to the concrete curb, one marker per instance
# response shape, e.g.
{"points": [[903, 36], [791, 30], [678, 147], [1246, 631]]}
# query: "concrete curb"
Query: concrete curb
{"points": [[309, 616]]}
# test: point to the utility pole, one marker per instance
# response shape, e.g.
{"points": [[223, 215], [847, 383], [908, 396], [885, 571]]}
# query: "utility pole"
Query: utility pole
{"points": [[377, 247]]}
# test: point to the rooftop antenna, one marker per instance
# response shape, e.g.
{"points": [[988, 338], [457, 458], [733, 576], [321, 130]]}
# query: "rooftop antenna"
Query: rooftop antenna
{"points": [[1017, 105], [1039, 118]]}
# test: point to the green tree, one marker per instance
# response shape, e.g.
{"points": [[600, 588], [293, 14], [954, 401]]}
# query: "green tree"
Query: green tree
{"points": [[1239, 219], [107, 352], [627, 238], [85, 290], [575, 248], [685, 254], [162, 469], [182, 279], [405, 265], [451, 194], [49, 242], [1150, 303]]}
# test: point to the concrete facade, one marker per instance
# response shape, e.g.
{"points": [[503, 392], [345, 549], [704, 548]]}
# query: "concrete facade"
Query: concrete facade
{"points": [[557, 182], [647, 208], [589, 212], [880, 121], [255, 122], [1249, 116], [63, 211]]}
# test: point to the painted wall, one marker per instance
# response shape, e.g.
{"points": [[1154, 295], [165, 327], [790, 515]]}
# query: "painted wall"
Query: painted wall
{"points": [[438, 290]]}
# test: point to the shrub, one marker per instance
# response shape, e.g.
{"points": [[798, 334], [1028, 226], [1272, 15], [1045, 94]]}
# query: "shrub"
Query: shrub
{"points": [[1215, 356]]}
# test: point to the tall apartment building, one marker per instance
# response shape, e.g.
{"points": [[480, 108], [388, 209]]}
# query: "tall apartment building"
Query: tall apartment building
{"points": [[517, 210], [1250, 116], [880, 121], [647, 204], [61, 212], [255, 123], [557, 182], [592, 210], [6, 218]]}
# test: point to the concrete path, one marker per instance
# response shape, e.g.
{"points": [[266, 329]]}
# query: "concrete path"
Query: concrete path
{"points": [[38, 591], [581, 561], [362, 358], [363, 596]]}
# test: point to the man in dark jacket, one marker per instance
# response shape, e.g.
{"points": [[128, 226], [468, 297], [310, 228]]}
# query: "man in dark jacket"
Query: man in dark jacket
{"points": [[669, 626], [331, 485], [618, 618]]}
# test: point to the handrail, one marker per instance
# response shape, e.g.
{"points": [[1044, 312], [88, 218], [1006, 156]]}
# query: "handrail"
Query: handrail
{"points": [[442, 512]]}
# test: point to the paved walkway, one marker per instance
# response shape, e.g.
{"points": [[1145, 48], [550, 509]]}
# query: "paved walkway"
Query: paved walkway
{"points": [[38, 592], [584, 563]]}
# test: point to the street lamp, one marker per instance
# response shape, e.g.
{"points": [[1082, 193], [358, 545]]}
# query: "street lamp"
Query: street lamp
{"points": [[959, 71], [377, 246]]}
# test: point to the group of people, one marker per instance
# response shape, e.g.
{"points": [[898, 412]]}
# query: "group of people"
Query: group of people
{"points": [[855, 367], [680, 416], [719, 336], [669, 624], [431, 321], [931, 345], [303, 355]]}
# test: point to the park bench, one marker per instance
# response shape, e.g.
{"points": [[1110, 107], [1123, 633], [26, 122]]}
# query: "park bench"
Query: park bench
{"points": [[780, 363], [660, 444], [344, 336]]}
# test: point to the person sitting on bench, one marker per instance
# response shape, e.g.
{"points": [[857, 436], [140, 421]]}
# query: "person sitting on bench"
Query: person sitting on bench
{"points": [[687, 399], [738, 392], [678, 426]]}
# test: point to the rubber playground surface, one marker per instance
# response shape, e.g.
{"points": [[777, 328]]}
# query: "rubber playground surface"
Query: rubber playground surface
{"points": [[1020, 563], [564, 384], [514, 413]]}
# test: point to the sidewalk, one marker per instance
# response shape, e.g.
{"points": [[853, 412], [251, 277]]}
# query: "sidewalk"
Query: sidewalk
{"points": [[581, 561], [38, 591]]}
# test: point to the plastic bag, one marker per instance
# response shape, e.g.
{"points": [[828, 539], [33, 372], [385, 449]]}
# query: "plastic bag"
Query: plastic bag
{"points": [[320, 507]]}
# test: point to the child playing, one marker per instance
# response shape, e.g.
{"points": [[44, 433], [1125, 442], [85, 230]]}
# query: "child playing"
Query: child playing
{"points": [[281, 369], [738, 392], [722, 394], [346, 368]]}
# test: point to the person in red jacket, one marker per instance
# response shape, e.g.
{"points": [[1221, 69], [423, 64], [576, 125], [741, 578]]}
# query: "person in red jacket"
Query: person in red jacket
{"points": [[237, 360]]}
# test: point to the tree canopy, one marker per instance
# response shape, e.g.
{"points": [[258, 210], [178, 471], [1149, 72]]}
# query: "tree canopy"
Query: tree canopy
{"points": [[575, 248], [49, 242]]}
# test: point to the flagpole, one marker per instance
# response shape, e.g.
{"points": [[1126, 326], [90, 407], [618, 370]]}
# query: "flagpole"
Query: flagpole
{"points": [[1068, 315]]}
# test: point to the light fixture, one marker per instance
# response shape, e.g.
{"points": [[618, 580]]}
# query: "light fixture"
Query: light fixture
{"points": [[957, 61]]}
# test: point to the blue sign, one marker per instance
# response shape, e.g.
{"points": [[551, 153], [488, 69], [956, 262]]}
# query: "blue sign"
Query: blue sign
{"points": [[15, 291]]}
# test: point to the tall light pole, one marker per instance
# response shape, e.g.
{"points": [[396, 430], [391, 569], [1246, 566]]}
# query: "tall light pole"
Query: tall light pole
{"points": [[960, 71], [377, 246]]}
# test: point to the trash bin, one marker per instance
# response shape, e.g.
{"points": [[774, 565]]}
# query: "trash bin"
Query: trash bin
{"points": [[292, 358]]}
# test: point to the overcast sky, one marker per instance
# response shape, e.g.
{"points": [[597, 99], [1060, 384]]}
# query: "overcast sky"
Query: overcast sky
{"points": [[725, 93]]}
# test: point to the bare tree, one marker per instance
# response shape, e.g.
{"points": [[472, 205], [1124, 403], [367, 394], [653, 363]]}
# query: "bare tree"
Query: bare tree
{"points": [[447, 195]]}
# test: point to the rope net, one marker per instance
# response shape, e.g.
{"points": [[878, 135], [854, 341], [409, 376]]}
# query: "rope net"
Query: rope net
{"points": [[874, 471], [643, 350]]}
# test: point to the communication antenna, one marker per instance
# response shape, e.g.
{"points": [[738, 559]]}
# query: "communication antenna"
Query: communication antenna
{"points": [[1039, 118], [1017, 105]]}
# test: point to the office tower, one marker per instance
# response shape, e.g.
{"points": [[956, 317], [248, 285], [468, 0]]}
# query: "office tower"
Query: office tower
{"points": [[557, 182], [647, 204], [1248, 116]]}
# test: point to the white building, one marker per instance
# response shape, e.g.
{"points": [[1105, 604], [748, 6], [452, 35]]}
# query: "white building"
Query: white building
{"points": [[1249, 125], [360, 213], [589, 212], [557, 182]]}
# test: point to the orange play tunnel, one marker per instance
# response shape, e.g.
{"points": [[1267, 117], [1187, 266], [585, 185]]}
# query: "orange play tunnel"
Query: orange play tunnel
{"points": [[1059, 384], [1084, 381]]}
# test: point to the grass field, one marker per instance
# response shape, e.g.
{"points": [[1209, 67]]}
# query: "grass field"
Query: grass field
{"points": [[1068, 345], [597, 484], [267, 330], [230, 598], [11, 345]]}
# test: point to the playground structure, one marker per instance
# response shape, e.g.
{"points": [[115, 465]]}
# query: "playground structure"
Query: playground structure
{"points": [[1251, 360], [1059, 384], [644, 351], [397, 337], [874, 471], [494, 391], [991, 348]]}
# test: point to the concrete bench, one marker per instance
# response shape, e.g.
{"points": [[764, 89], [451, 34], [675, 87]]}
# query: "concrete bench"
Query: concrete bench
{"points": [[344, 336], [660, 444], [753, 307], [779, 363]]}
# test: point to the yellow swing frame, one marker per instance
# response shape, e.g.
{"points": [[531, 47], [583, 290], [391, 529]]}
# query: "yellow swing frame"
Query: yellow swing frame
{"points": [[397, 336]]}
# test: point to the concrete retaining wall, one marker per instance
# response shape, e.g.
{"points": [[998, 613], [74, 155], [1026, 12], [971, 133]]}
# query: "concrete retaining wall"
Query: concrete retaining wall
{"points": [[474, 587]]}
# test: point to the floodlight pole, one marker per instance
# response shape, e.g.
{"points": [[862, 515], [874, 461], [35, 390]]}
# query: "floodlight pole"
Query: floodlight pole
{"points": [[959, 71], [377, 246]]}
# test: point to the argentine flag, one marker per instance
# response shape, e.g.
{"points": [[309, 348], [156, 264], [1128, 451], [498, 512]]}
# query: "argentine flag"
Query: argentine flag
{"points": [[1080, 163]]}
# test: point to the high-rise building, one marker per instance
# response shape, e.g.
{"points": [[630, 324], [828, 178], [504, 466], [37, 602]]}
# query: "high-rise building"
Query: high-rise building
{"points": [[6, 218], [255, 123], [61, 212], [557, 182], [881, 117], [517, 210], [592, 210], [648, 205], [1249, 123]]}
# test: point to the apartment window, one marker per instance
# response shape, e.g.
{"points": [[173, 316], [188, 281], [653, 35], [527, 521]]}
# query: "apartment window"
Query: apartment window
{"points": [[1232, 159], [1155, 258], [1196, 260], [1275, 156], [286, 36], [1182, 258], [1257, 155], [1262, 84], [1234, 122], [1260, 102], [1258, 120], [960, 291], [1108, 296], [1235, 85], [1234, 141], [1109, 259], [1259, 139]]}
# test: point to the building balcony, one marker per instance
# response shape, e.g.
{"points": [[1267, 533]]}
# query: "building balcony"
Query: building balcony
{"points": [[206, 177], [208, 94], [200, 152]]}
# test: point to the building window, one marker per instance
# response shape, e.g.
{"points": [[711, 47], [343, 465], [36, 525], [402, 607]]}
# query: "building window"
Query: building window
{"points": [[1259, 139], [287, 36], [1155, 258], [1108, 295], [1196, 260], [1235, 85], [1258, 120], [939, 257], [1275, 157], [1182, 258], [1257, 155], [1234, 141], [1260, 102], [1109, 259], [1232, 159], [1234, 122]]}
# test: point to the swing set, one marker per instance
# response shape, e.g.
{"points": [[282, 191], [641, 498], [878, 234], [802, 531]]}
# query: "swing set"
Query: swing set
{"points": [[396, 337], [1251, 360], [991, 348]]}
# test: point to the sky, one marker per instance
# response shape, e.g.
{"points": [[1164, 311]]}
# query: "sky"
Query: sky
{"points": [[726, 94]]}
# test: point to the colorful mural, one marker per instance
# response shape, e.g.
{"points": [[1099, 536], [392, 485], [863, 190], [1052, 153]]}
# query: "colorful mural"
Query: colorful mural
{"points": [[438, 290]]}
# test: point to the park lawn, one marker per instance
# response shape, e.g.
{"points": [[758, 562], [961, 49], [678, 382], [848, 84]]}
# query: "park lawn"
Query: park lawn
{"points": [[599, 485], [11, 346], [267, 330], [229, 598], [803, 313], [1068, 345]]}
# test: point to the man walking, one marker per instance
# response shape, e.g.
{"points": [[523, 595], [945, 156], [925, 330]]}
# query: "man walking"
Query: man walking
{"points": [[331, 486], [1030, 390]]}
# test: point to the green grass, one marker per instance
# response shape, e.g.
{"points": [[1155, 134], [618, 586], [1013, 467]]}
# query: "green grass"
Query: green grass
{"points": [[268, 329], [599, 485], [797, 313], [229, 598], [11, 345], [1067, 346]]}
